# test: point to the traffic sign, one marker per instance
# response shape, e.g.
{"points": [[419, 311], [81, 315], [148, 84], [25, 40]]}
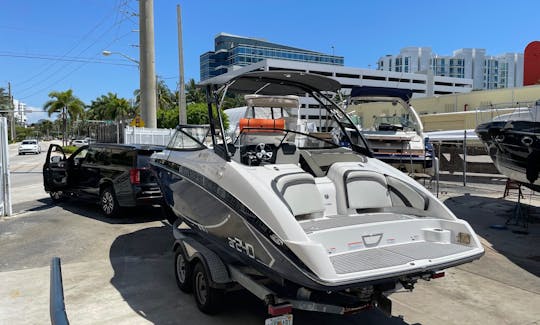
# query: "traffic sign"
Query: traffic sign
{"points": [[137, 122]]}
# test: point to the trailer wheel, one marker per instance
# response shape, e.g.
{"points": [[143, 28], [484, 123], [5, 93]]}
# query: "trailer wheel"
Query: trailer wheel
{"points": [[208, 299], [183, 271]]}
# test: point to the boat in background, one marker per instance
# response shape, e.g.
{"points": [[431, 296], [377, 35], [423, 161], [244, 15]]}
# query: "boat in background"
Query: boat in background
{"points": [[392, 128], [513, 143]]}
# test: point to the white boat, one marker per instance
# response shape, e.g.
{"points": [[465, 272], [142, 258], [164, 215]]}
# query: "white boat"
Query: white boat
{"points": [[392, 128], [314, 218]]}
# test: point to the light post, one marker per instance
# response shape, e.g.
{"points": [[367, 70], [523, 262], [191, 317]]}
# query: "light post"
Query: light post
{"points": [[107, 53], [147, 94]]}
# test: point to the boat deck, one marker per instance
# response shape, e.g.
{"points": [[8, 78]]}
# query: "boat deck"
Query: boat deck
{"points": [[310, 226], [389, 256]]}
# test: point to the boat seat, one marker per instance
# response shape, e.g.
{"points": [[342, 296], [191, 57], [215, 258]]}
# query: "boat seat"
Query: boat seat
{"points": [[403, 194], [287, 154], [300, 193], [359, 189]]}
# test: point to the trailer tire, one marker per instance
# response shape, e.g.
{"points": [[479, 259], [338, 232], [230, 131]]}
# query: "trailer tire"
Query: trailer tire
{"points": [[208, 299], [183, 271]]}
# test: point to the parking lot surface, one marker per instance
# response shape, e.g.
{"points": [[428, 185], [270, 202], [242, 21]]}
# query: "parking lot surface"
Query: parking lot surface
{"points": [[120, 271]]}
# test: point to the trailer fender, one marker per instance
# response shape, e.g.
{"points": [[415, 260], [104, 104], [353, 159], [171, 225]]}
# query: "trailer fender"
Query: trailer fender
{"points": [[194, 251]]}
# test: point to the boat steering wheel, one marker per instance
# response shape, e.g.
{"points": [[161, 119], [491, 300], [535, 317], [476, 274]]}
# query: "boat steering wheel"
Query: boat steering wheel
{"points": [[263, 152]]}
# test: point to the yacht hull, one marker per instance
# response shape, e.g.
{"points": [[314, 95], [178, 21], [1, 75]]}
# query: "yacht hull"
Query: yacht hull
{"points": [[514, 148]]}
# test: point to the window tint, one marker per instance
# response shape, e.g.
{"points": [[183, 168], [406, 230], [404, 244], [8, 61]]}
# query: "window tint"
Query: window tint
{"points": [[143, 158], [98, 155], [122, 157]]}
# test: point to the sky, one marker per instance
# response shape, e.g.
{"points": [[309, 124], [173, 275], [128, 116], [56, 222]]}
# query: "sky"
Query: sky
{"points": [[57, 45]]}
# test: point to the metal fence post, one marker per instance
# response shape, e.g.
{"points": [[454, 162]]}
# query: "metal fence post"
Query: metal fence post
{"points": [[465, 158], [5, 187]]}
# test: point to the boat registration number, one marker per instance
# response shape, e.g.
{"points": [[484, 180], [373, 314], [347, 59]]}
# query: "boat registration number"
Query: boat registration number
{"points": [[280, 320]]}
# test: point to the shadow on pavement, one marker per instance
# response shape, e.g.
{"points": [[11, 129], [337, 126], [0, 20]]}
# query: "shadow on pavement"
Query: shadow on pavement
{"points": [[488, 217], [144, 275], [88, 209]]}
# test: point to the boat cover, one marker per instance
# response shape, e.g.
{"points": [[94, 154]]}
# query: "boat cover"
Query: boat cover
{"points": [[365, 91]]}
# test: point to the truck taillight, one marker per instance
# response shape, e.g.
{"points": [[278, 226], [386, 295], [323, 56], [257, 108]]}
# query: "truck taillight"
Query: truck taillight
{"points": [[135, 176]]}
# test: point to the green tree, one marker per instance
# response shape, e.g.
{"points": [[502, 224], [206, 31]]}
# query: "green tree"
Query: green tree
{"points": [[166, 99], [4, 99], [45, 127], [194, 94], [65, 103], [110, 107], [197, 113]]}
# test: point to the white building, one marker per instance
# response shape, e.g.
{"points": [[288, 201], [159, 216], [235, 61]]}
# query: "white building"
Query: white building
{"points": [[19, 112], [422, 85], [487, 72]]}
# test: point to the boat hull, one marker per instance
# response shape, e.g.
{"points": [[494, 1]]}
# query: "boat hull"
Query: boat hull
{"points": [[514, 147]]}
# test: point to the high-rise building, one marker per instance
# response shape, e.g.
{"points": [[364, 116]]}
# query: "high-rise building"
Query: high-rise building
{"points": [[487, 72], [232, 52]]}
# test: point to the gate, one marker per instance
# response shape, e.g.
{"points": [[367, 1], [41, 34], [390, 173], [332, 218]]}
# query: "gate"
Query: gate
{"points": [[133, 135], [5, 193]]}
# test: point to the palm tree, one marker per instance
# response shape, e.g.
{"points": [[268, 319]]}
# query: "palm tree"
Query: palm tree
{"points": [[194, 94], [110, 107], [65, 103]]}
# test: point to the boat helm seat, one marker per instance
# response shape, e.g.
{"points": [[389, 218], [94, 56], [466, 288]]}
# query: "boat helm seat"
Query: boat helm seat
{"points": [[359, 189], [300, 193]]}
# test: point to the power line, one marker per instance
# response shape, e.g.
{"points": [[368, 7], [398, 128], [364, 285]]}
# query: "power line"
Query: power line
{"points": [[85, 36], [67, 65], [49, 76], [63, 58]]}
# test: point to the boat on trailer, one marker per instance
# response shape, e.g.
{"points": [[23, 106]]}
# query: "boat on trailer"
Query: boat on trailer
{"points": [[317, 221], [392, 128], [513, 143]]}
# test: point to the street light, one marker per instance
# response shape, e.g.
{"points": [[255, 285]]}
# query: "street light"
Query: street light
{"points": [[107, 53], [147, 88]]}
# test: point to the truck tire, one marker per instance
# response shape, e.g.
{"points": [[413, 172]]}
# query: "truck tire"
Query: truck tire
{"points": [[56, 196], [108, 203]]}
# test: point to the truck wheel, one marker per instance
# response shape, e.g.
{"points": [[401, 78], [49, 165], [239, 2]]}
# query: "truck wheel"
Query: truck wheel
{"points": [[208, 299], [183, 271], [108, 203], [56, 196]]}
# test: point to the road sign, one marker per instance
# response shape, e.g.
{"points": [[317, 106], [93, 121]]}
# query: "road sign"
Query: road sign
{"points": [[137, 122]]}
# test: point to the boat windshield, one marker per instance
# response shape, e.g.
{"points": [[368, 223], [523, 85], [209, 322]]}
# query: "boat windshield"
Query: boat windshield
{"points": [[190, 137], [383, 115]]}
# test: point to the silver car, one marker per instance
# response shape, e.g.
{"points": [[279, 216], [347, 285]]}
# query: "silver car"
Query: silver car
{"points": [[29, 146]]}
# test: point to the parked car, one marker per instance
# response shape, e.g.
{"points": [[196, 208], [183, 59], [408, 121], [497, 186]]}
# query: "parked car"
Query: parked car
{"points": [[29, 146], [112, 175], [79, 143]]}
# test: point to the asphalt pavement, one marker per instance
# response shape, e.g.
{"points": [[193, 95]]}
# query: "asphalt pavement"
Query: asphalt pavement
{"points": [[120, 271]]}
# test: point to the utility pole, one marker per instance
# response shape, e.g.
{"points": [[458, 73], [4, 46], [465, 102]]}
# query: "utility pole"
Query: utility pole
{"points": [[182, 115], [12, 113], [147, 63]]}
